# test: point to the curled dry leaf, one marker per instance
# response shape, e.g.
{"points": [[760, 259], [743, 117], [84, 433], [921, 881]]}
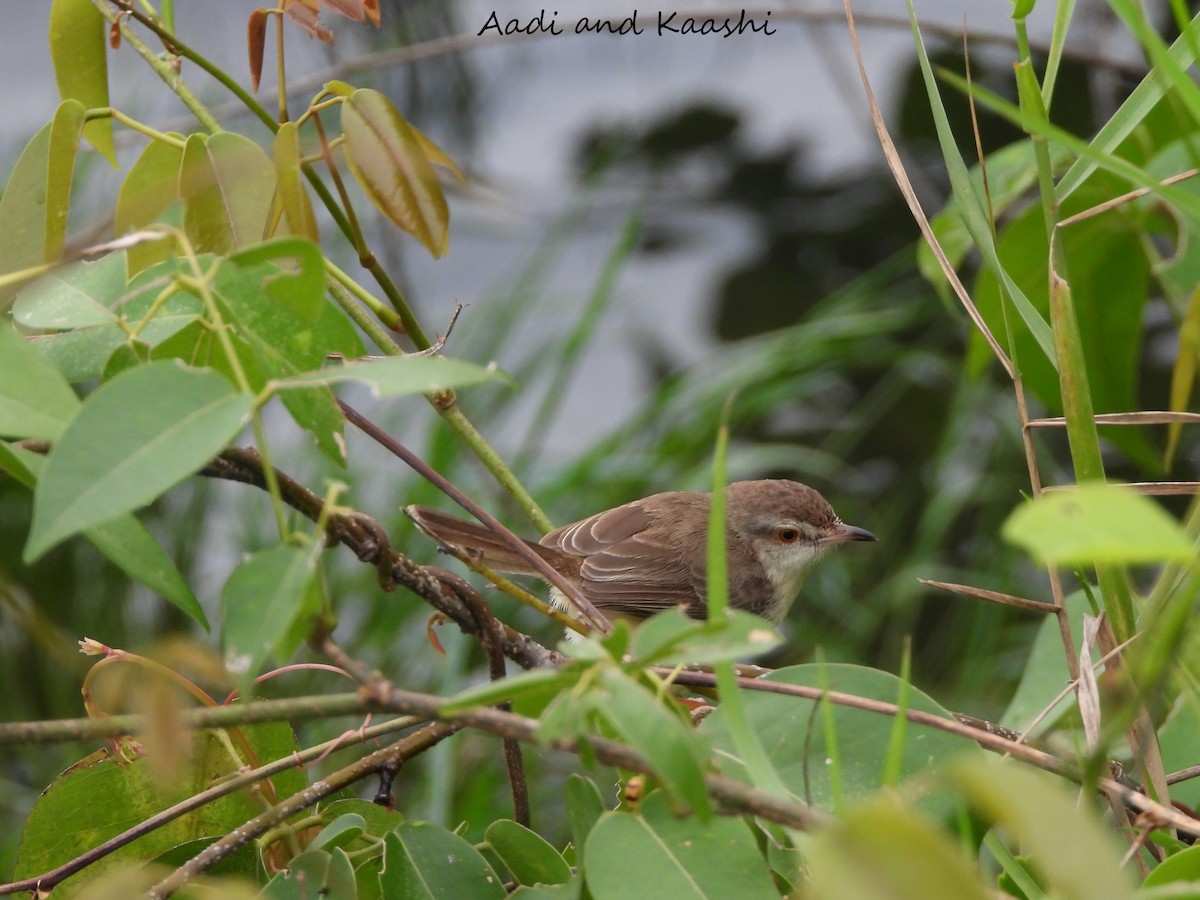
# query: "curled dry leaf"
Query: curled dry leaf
{"points": [[256, 40]]}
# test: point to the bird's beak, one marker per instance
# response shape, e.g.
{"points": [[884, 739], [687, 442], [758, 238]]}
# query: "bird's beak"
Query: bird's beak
{"points": [[845, 533]]}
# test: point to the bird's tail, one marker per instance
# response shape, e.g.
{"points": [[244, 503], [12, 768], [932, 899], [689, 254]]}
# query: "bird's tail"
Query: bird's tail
{"points": [[476, 541]]}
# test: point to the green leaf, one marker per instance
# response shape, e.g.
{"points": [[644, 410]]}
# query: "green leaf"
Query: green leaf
{"points": [[423, 861], [35, 401], [151, 186], [970, 201], [72, 296], [97, 799], [675, 857], [343, 830], [675, 751], [134, 438], [399, 375], [882, 848], [227, 184], [77, 48], [314, 873], [1097, 523], [673, 638], [81, 354], [1133, 111], [794, 735], [292, 194], [36, 198], [261, 601], [584, 808], [1045, 672], [285, 344], [1178, 870], [292, 272], [1036, 810], [529, 856], [387, 157], [124, 540]]}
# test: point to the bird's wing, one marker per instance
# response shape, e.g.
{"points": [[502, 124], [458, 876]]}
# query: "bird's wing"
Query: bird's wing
{"points": [[627, 570]]}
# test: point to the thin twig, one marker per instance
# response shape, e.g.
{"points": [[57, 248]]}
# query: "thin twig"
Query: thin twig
{"points": [[594, 617], [966, 590]]}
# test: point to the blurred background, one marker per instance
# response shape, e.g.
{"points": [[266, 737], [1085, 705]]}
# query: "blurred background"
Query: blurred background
{"points": [[650, 225]]}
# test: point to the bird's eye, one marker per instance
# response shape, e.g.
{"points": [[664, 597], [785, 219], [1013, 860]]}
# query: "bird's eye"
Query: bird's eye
{"points": [[788, 535]]}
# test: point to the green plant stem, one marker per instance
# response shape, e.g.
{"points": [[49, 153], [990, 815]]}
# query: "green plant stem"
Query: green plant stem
{"points": [[463, 427], [385, 314], [280, 69], [449, 411], [163, 68], [133, 124], [201, 282]]}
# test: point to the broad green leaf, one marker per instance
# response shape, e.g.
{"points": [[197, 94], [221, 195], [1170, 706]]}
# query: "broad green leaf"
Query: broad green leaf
{"points": [[133, 439], [97, 799], [60, 175], [35, 400], [124, 540], [529, 856], [584, 808], [387, 157], [343, 830], [151, 186], [79, 53], [227, 184], [1097, 523], [423, 861], [793, 733], [1177, 740], [292, 194], [36, 198], [399, 375], [883, 848], [314, 873], [73, 296], [1176, 871], [292, 272], [260, 602], [131, 546], [675, 751], [1110, 281], [656, 853], [1036, 810], [673, 638], [82, 354], [286, 345], [1045, 672]]}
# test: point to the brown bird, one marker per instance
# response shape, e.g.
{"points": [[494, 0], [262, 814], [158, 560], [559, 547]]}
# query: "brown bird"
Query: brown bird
{"points": [[649, 555]]}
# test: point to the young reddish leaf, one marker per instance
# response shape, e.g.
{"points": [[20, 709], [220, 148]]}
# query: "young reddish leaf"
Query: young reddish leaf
{"points": [[114, 35], [386, 156], [351, 9], [372, 9], [304, 13], [151, 186], [290, 191], [256, 40], [228, 185], [81, 65]]}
